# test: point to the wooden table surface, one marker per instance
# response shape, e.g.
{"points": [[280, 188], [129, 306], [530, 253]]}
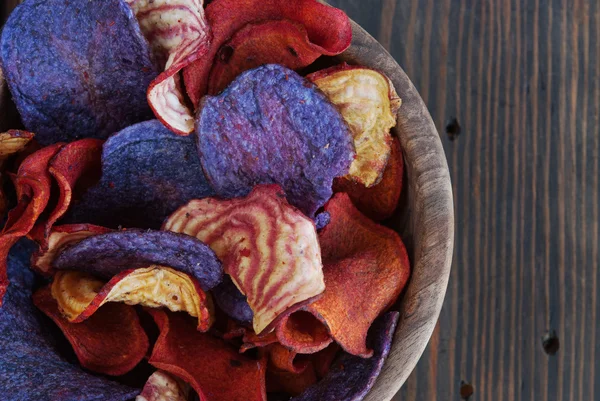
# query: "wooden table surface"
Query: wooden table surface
{"points": [[522, 80]]}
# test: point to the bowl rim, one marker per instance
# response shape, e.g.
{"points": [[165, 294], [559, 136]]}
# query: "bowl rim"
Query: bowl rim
{"points": [[431, 217]]}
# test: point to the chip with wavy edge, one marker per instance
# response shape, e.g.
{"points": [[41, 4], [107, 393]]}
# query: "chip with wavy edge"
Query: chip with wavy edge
{"points": [[328, 30], [268, 247], [111, 342], [369, 104], [79, 295]]}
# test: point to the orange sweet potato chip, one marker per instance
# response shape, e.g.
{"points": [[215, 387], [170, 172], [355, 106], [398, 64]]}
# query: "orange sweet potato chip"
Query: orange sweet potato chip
{"points": [[380, 201], [213, 368], [33, 184], [111, 342], [365, 267], [369, 104], [79, 295], [59, 237], [328, 30], [283, 359], [75, 167], [303, 333], [268, 247]]}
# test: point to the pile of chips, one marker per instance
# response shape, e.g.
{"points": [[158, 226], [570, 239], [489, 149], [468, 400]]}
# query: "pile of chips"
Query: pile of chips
{"points": [[232, 249]]}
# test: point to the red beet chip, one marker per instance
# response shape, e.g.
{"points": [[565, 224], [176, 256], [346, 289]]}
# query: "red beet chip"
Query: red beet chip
{"points": [[303, 333], [365, 266], [328, 30], [282, 359], [33, 183], [59, 237], [213, 368], [268, 247], [111, 342], [291, 382], [380, 201], [79, 295], [161, 386]]}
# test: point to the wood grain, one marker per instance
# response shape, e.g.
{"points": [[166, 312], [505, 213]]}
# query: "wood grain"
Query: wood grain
{"points": [[523, 80]]}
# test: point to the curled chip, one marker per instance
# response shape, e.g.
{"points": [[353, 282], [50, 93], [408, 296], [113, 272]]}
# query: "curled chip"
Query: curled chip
{"points": [[59, 237], [213, 368], [178, 34], [283, 359], [76, 69], [79, 295], [303, 333], [269, 249], [369, 103], [350, 377], [271, 126], [31, 367], [75, 167], [147, 173], [328, 31], [111, 342], [161, 386], [11, 142], [109, 254], [380, 201], [233, 302], [33, 185], [365, 267]]}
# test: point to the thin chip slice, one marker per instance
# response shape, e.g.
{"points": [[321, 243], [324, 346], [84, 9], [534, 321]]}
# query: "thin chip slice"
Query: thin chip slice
{"points": [[283, 42], [161, 386], [233, 302], [213, 368], [369, 103], [147, 173], [380, 201], [109, 254], [271, 126], [76, 69], [178, 34], [111, 342], [269, 248], [365, 266], [328, 29], [59, 237], [351, 377], [33, 185], [75, 167], [79, 295], [303, 333], [31, 367]]}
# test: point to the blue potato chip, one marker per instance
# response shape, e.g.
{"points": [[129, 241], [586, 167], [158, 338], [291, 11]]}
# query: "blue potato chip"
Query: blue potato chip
{"points": [[322, 219], [107, 255], [76, 68], [351, 377], [31, 368], [147, 173], [233, 302], [273, 126]]}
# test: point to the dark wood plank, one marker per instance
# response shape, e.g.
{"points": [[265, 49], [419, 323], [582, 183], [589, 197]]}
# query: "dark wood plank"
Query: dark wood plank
{"points": [[523, 80]]}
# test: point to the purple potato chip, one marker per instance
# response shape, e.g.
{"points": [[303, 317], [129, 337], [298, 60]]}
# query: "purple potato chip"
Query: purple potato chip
{"points": [[351, 377], [233, 302], [273, 126], [31, 367], [76, 68], [147, 173], [322, 220], [107, 255]]}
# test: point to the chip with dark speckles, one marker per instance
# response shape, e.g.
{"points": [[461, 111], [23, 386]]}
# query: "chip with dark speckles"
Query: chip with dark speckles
{"points": [[109, 254], [31, 367], [271, 126], [147, 173], [76, 68], [351, 377]]}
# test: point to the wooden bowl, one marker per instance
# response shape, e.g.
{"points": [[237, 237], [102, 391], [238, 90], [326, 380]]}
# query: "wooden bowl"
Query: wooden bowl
{"points": [[425, 218]]}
